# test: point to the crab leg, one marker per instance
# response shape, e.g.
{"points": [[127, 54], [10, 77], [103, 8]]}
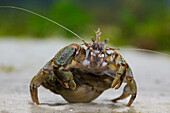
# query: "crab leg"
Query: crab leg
{"points": [[121, 64], [119, 73], [33, 91], [120, 82], [38, 79], [125, 94], [133, 90], [130, 89]]}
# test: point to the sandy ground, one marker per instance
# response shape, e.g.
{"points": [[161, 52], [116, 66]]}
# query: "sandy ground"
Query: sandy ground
{"points": [[21, 60]]}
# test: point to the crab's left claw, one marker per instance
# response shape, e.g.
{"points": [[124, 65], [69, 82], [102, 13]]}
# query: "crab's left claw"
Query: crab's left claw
{"points": [[65, 77]]}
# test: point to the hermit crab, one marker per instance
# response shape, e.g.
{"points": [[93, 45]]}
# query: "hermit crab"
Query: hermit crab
{"points": [[81, 74]]}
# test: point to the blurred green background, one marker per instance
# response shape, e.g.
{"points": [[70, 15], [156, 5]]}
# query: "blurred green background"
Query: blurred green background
{"points": [[140, 23]]}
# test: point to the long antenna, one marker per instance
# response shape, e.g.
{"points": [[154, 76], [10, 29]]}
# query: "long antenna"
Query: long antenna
{"points": [[13, 7], [19, 8], [146, 50]]}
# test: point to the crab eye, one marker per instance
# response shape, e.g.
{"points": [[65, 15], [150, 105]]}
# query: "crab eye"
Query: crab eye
{"points": [[93, 39], [101, 48]]}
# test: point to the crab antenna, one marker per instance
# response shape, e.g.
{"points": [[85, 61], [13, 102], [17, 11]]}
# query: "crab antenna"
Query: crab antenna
{"points": [[146, 50], [13, 7]]}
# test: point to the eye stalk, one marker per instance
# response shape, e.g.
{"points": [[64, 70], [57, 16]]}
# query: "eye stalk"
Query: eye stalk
{"points": [[97, 45], [105, 41]]}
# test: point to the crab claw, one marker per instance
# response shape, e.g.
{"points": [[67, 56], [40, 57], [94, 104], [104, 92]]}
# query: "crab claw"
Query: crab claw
{"points": [[71, 84], [65, 77]]}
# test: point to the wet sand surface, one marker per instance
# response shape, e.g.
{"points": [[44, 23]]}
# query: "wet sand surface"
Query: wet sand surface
{"points": [[21, 60]]}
